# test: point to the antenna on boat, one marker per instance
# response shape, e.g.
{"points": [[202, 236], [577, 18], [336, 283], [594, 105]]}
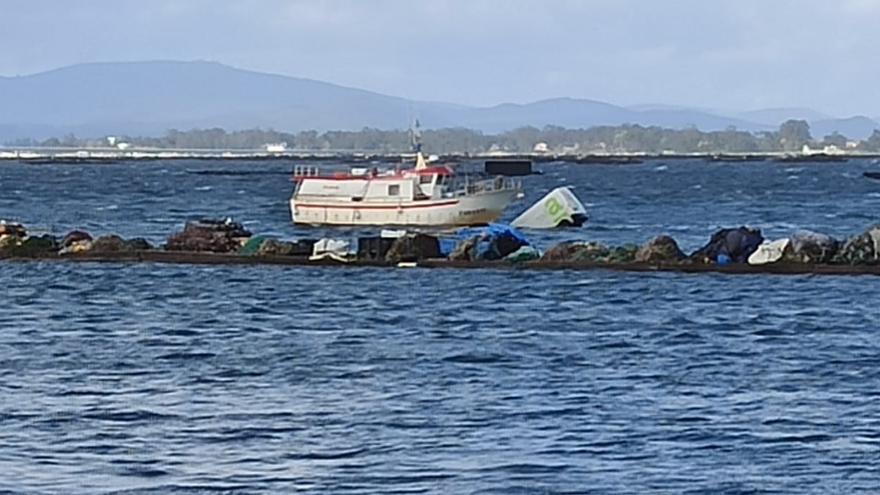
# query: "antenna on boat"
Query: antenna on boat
{"points": [[415, 134], [416, 137]]}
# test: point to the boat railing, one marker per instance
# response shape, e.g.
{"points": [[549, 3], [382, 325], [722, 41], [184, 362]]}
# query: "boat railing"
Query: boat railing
{"points": [[300, 171], [467, 186]]}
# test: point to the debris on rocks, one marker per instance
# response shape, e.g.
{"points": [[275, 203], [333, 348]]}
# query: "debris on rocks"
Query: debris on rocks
{"points": [[116, 244], [810, 247], [743, 248], [274, 247], [661, 249], [862, 249], [729, 246], [331, 249], [493, 242], [577, 251], [34, 247], [523, 255], [769, 252], [214, 236], [12, 229], [75, 236], [413, 247]]}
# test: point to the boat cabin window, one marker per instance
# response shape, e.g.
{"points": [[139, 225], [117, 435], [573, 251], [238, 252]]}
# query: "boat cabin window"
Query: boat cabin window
{"points": [[425, 179], [394, 190]]}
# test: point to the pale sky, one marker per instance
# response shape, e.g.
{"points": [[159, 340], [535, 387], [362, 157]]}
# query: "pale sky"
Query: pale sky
{"points": [[722, 54]]}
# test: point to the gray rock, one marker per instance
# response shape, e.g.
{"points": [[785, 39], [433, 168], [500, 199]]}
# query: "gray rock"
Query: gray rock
{"points": [[661, 249]]}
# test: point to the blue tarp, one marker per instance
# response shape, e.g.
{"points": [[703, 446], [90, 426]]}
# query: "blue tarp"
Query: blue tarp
{"points": [[494, 230], [447, 246], [494, 241]]}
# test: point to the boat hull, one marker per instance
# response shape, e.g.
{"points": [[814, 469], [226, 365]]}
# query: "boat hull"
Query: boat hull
{"points": [[459, 211]]}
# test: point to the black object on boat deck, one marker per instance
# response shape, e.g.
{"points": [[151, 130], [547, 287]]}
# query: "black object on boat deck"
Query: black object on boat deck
{"points": [[509, 167]]}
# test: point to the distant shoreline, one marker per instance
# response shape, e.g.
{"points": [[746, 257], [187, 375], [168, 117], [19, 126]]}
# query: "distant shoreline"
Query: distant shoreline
{"points": [[38, 156]]}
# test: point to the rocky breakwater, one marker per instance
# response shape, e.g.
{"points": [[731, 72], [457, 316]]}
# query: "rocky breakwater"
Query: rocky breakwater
{"points": [[17, 242], [732, 250]]}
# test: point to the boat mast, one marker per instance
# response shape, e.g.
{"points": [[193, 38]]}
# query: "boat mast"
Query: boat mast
{"points": [[416, 139]]}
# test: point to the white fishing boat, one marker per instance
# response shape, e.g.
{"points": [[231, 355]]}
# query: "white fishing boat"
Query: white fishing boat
{"points": [[419, 196]]}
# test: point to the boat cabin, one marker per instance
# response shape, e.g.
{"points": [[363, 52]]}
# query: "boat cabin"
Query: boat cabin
{"points": [[370, 186]]}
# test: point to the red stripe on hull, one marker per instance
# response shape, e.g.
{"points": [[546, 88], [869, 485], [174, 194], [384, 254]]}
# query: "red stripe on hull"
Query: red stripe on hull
{"points": [[367, 207]]}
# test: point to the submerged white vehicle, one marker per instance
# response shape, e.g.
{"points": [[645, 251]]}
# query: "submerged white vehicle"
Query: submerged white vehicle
{"points": [[559, 208], [420, 196]]}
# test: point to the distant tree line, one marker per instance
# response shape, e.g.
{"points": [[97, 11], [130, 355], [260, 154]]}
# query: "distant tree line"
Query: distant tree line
{"points": [[791, 136]]}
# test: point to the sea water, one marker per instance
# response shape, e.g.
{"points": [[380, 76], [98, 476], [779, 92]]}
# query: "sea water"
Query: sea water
{"points": [[191, 379]]}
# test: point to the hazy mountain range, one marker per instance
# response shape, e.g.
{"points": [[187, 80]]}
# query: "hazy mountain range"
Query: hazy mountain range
{"points": [[148, 98]]}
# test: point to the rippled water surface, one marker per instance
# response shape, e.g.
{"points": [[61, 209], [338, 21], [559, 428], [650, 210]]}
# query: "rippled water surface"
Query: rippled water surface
{"points": [[175, 379]]}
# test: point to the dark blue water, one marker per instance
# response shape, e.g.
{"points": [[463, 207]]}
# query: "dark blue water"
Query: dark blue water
{"points": [[632, 203], [176, 379]]}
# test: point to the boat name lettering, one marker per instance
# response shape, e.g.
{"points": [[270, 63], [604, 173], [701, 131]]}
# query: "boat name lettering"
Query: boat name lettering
{"points": [[471, 212]]}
